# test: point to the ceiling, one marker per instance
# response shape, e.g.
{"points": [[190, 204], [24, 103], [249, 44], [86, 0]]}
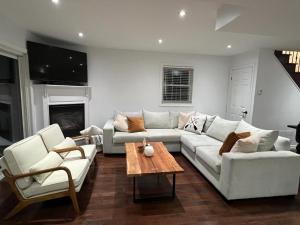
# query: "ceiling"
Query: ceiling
{"points": [[138, 24]]}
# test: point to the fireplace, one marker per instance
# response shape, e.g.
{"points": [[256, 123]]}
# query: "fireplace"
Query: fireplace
{"points": [[70, 118], [5, 122]]}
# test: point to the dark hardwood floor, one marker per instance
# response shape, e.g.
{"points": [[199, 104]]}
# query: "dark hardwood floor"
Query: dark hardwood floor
{"points": [[106, 198]]}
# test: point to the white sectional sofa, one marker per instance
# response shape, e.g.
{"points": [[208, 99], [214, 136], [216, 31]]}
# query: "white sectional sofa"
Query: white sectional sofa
{"points": [[235, 175]]}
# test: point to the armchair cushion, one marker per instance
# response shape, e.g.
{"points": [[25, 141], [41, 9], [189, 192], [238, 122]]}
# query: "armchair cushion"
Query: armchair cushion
{"points": [[23, 155], [52, 135], [89, 151], [58, 180], [67, 143], [51, 160]]}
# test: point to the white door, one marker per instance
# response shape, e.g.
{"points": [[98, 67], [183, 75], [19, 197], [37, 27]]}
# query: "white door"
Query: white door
{"points": [[240, 95]]}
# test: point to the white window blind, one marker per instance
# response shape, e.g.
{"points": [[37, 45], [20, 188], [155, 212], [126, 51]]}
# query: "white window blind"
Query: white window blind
{"points": [[177, 85]]}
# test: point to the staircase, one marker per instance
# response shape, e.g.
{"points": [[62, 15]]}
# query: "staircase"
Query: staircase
{"points": [[291, 62]]}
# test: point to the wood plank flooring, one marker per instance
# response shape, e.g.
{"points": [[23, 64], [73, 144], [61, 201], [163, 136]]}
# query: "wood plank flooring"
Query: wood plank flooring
{"points": [[107, 199]]}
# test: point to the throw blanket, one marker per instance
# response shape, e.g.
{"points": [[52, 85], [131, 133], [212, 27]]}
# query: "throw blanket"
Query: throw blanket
{"points": [[96, 134], [97, 139]]}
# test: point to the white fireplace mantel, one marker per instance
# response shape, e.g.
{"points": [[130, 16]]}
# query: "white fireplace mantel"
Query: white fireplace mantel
{"points": [[46, 95]]}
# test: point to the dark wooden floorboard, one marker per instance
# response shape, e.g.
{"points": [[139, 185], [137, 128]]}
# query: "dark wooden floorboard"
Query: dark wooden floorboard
{"points": [[106, 199]]}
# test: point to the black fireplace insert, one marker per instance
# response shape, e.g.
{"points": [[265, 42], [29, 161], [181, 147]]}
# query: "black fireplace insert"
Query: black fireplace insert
{"points": [[70, 118]]}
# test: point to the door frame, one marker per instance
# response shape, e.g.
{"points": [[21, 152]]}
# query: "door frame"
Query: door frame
{"points": [[252, 89]]}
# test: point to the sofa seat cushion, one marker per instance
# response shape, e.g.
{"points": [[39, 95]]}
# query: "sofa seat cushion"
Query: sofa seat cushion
{"points": [[58, 180], [210, 155], [23, 155], [122, 137], [164, 135], [194, 141], [184, 132], [89, 151]]}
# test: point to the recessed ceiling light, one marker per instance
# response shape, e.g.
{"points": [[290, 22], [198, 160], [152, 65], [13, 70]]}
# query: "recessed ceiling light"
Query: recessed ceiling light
{"points": [[80, 34], [160, 41], [229, 46], [55, 2], [182, 13]]}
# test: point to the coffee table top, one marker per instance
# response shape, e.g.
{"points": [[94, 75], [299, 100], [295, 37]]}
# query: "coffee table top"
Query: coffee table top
{"points": [[162, 162]]}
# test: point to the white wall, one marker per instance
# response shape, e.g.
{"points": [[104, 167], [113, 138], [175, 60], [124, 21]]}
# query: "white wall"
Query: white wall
{"points": [[131, 80], [279, 104]]}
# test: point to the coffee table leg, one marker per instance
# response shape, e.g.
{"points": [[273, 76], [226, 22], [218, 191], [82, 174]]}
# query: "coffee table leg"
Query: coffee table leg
{"points": [[174, 183], [134, 189]]}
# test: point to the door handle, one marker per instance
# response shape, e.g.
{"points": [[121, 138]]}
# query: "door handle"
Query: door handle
{"points": [[244, 114]]}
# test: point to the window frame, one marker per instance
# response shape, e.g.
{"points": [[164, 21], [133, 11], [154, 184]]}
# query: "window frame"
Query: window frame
{"points": [[176, 104]]}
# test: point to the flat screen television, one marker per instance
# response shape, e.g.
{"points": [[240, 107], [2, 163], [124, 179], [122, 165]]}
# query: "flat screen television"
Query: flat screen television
{"points": [[8, 69], [53, 65]]}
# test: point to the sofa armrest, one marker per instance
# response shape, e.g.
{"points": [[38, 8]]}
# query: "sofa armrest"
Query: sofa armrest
{"points": [[108, 133], [282, 144], [259, 174], [11, 179], [70, 149]]}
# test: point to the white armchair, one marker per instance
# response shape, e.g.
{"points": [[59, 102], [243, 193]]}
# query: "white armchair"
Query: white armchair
{"points": [[64, 180]]}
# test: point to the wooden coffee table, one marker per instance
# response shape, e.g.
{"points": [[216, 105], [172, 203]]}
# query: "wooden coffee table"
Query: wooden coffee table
{"points": [[161, 163]]}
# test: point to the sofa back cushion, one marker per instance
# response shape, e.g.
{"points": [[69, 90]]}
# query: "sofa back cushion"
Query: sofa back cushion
{"points": [[52, 135], [174, 116], [221, 128], [267, 137], [156, 120], [24, 154]]}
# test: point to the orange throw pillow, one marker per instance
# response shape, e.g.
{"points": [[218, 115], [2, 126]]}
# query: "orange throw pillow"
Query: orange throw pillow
{"points": [[231, 139], [135, 124]]}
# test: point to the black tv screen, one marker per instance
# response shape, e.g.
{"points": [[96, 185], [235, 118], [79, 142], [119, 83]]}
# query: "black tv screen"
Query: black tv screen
{"points": [[48, 64], [8, 69]]}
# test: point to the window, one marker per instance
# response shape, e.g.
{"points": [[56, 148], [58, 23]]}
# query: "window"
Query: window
{"points": [[177, 85]]}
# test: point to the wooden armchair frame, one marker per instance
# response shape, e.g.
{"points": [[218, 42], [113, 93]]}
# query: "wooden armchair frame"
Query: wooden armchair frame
{"points": [[70, 149], [24, 202]]}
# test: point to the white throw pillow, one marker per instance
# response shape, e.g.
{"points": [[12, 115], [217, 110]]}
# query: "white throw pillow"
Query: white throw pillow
{"points": [[220, 128], [246, 145], [209, 120], [52, 160], [195, 123], [184, 118], [120, 123], [67, 143], [267, 137]]}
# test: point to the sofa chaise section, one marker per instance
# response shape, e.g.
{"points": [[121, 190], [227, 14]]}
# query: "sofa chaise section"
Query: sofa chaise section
{"points": [[246, 175]]}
